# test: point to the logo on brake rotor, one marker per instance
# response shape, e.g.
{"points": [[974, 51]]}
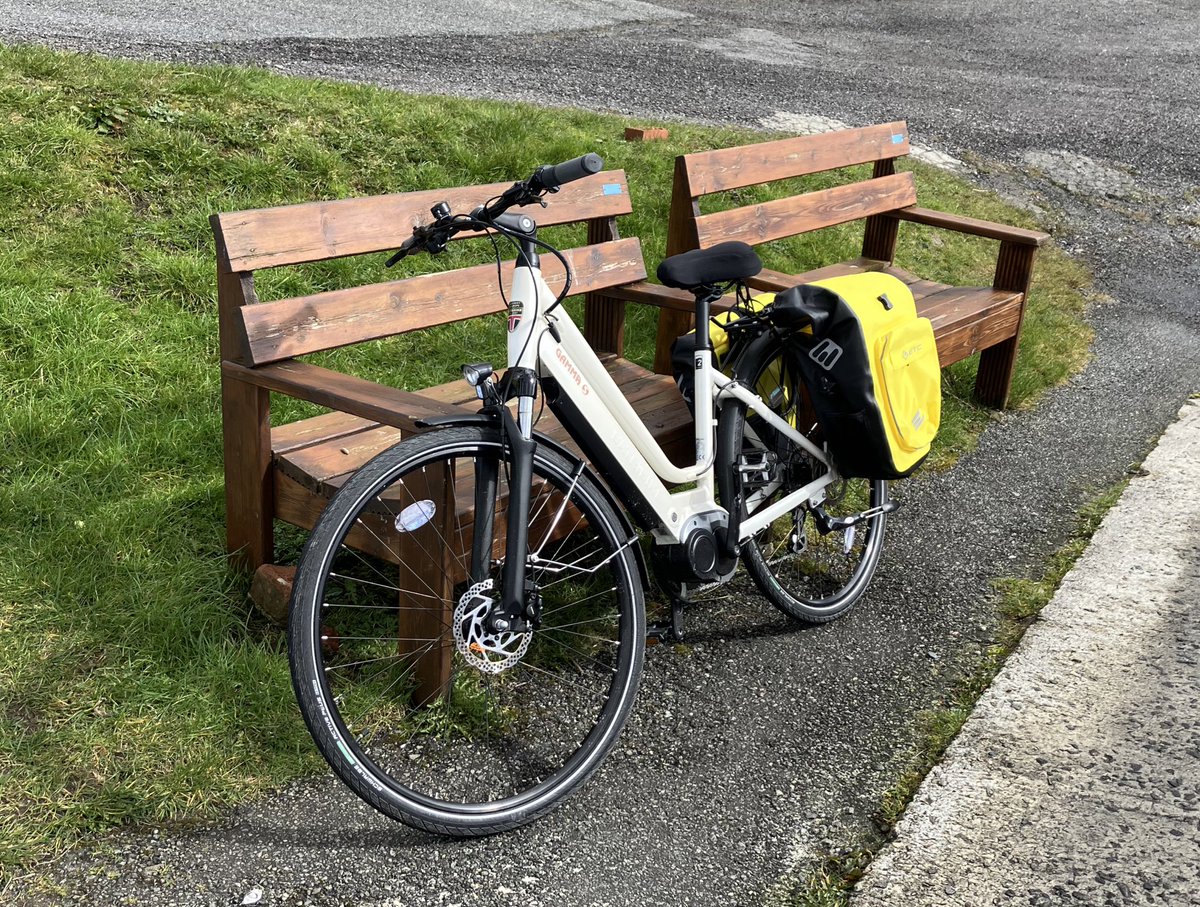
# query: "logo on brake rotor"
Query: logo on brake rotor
{"points": [[486, 649]]}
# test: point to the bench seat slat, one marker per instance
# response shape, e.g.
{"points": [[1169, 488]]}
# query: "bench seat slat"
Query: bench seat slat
{"points": [[316, 231], [811, 211], [748, 165], [295, 435], [309, 324], [965, 319], [969, 319]]}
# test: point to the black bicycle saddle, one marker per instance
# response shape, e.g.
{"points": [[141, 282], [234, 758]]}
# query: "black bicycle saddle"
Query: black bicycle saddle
{"points": [[705, 267]]}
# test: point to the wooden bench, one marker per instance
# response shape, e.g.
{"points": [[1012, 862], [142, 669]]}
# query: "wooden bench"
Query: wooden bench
{"points": [[966, 320], [287, 472]]}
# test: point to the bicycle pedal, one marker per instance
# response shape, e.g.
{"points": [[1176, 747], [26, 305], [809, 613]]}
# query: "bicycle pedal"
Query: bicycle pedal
{"points": [[671, 631]]}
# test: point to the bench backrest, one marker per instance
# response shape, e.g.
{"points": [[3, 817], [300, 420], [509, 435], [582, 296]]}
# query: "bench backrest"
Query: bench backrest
{"points": [[725, 170], [709, 172], [256, 333]]}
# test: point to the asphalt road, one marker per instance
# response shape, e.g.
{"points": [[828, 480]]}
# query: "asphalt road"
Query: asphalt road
{"points": [[765, 744]]}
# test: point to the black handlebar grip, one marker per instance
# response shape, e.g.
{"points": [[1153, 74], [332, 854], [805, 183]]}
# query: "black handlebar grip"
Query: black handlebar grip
{"points": [[552, 176]]}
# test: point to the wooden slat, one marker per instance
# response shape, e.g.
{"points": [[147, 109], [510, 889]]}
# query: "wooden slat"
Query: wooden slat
{"points": [[315, 231], [968, 319], [333, 390], [748, 165], [801, 213], [315, 465], [308, 324], [681, 237], [316, 430], [880, 232], [427, 573], [299, 506], [604, 315]]}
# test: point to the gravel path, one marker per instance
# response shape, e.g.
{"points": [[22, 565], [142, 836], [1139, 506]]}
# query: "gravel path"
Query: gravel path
{"points": [[765, 744], [1077, 778]]}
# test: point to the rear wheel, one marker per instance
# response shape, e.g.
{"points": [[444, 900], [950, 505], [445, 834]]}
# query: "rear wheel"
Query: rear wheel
{"points": [[806, 563], [419, 705]]}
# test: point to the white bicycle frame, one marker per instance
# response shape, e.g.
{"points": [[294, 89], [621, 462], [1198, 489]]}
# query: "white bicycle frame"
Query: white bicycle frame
{"points": [[565, 355]]}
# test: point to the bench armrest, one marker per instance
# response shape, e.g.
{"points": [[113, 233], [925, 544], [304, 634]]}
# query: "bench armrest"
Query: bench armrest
{"points": [[970, 225], [334, 390], [664, 297], [654, 294]]}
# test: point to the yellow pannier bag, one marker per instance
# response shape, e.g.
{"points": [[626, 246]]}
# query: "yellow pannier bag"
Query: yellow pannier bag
{"points": [[872, 371]]}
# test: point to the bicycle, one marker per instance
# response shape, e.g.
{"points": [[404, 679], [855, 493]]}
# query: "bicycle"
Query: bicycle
{"points": [[546, 648]]}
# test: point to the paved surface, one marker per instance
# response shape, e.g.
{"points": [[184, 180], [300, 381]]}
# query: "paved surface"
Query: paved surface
{"points": [[766, 745], [1077, 779]]}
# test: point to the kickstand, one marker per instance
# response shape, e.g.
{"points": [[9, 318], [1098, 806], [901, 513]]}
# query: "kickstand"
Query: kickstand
{"points": [[672, 630]]}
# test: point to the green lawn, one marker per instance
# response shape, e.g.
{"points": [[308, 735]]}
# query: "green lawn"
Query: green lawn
{"points": [[135, 682]]}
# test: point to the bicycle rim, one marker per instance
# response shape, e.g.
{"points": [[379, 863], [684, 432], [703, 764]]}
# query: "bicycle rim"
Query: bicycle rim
{"points": [[465, 732]]}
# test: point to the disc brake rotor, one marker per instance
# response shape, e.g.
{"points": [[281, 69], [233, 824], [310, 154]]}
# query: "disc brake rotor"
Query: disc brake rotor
{"points": [[482, 647]]}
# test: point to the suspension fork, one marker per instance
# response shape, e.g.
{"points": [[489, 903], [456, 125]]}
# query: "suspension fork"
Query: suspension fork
{"points": [[516, 607]]}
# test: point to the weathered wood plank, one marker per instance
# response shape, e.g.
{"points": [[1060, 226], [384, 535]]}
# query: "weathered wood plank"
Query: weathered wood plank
{"points": [[322, 465], [316, 430], [315, 231], [309, 324], [347, 393], [246, 435], [972, 225], [811, 211], [968, 319], [764, 162]]}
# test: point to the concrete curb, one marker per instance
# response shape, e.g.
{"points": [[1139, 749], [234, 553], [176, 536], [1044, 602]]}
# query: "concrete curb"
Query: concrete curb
{"points": [[1077, 779]]}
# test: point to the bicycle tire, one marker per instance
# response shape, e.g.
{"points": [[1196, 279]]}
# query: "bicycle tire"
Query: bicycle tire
{"points": [[423, 763], [817, 583]]}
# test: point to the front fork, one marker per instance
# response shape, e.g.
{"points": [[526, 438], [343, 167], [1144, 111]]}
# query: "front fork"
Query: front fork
{"points": [[518, 610]]}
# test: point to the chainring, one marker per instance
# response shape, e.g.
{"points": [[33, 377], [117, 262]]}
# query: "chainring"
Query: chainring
{"points": [[483, 648]]}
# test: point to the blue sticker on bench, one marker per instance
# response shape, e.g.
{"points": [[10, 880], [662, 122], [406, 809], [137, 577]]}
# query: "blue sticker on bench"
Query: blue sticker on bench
{"points": [[612, 188], [897, 138]]}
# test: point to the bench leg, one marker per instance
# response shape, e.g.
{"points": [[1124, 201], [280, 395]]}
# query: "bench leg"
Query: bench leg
{"points": [[249, 490], [994, 378], [1014, 270], [429, 565]]}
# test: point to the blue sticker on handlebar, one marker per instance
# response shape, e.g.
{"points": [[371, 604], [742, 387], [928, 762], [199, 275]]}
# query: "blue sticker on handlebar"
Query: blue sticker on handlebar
{"points": [[612, 189]]}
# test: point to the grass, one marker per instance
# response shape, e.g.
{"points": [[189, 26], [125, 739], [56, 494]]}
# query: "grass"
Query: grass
{"points": [[135, 682], [1019, 602]]}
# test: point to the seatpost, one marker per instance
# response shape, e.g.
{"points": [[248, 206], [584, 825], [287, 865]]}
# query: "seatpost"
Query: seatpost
{"points": [[705, 297], [702, 359]]}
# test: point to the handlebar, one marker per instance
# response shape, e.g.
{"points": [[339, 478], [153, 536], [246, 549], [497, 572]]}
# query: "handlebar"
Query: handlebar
{"points": [[551, 176], [433, 237]]}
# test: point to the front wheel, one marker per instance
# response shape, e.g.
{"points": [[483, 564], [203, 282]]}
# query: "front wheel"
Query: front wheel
{"points": [[418, 703], [807, 569]]}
